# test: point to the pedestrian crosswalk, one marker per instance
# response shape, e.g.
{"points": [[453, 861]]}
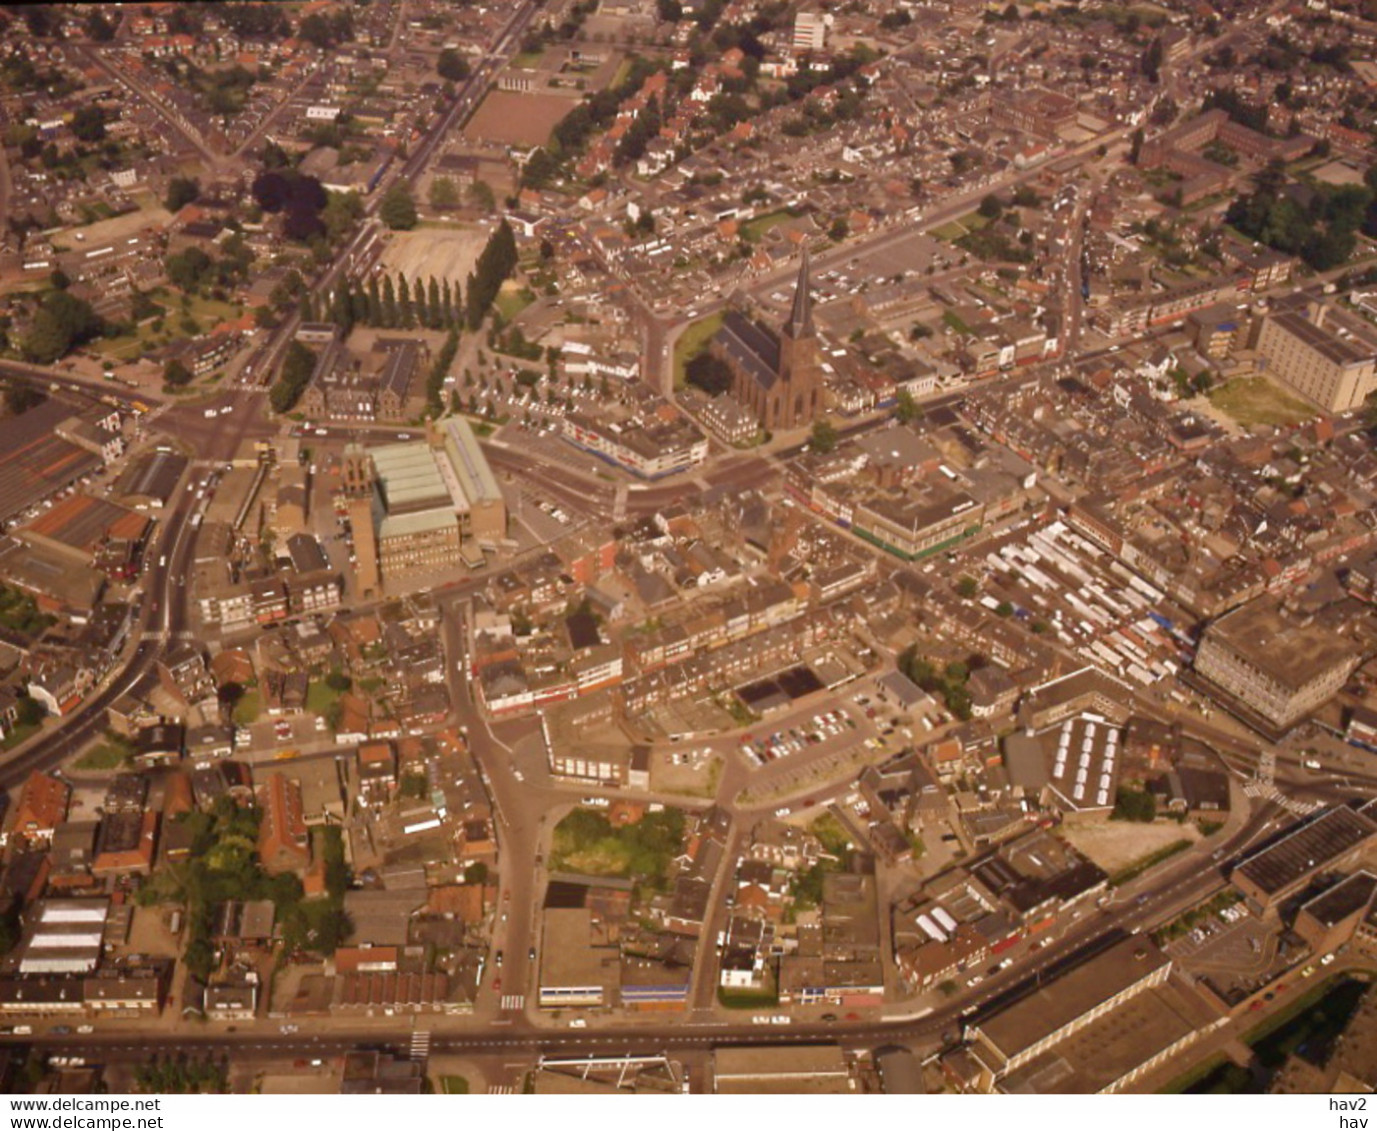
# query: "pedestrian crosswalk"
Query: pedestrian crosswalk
{"points": [[420, 1045], [514, 1002], [1269, 791], [501, 1089]]}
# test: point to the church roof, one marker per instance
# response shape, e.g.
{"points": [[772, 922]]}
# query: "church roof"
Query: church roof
{"points": [[750, 347], [800, 322]]}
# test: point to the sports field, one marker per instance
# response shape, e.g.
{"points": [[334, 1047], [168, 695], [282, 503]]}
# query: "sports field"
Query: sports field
{"points": [[516, 118]]}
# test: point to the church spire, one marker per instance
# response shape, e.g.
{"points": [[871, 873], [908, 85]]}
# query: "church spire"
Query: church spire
{"points": [[800, 322]]}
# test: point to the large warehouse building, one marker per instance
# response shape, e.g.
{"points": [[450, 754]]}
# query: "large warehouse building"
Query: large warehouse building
{"points": [[422, 506]]}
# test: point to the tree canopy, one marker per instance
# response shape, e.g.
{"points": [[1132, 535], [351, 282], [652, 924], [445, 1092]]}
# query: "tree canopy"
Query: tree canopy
{"points": [[62, 321], [297, 368], [1317, 223], [823, 438], [495, 264], [302, 198], [452, 65], [398, 209], [182, 191]]}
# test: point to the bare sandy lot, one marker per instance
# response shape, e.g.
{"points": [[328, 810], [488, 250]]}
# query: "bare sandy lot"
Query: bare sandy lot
{"points": [[115, 228], [694, 776], [446, 253], [516, 118], [1117, 844]]}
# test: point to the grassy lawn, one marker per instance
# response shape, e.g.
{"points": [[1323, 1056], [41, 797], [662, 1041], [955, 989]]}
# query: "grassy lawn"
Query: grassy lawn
{"points": [[1255, 400], [956, 322], [834, 840], [19, 734], [953, 230], [127, 347], [623, 70], [693, 341], [527, 60], [320, 697], [585, 842], [755, 229], [512, 300], [249, 707], [454, 1085], [108, 755], [745, 999], [207, 311]]}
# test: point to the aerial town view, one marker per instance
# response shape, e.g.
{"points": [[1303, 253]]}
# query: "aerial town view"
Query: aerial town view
{"points": [[734, 547]]}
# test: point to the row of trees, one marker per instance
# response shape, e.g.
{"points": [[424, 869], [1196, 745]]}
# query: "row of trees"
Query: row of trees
{"points": [[444, 193], [297, 367], [399, 305], [435, 383], [574, 130], [494, 267]]}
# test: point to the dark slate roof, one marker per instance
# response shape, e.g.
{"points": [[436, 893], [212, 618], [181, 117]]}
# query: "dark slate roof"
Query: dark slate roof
{"points": [[750, 347]]}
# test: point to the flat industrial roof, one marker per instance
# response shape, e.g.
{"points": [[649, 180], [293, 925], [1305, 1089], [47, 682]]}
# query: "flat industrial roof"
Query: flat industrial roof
{"points": [[1058, 1003], [567, 955], [34, 460], [1085, 765], [470, 464], [83, 522], [1291, 654], [410, 480], [797, 1068], [1310, 846], [1095, 1057], [1343, 899]]}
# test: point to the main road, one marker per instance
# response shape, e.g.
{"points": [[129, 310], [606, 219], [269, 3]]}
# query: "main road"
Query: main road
{"points": [[161, 618], [1157, 899], [163, 614]]}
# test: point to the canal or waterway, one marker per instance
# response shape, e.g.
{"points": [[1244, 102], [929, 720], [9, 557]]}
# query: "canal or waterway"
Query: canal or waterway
{"points": [[1310, 1034]]}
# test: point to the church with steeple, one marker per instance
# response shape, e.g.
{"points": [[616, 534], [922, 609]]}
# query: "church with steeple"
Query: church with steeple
{"points": [[776, 376]]}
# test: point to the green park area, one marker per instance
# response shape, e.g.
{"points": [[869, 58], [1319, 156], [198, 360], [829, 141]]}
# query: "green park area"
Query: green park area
{"points": [[1255, 400], [953, 230], [756, 228], [248, 707], [223, 865], [586, 842], [19, 614], [168, 320], [110, 753], [512, 300], [1309, 1027], [693, 341], [322, 696]]}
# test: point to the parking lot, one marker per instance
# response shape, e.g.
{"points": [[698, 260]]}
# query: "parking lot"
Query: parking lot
{"points": [[820, 729], [1235, 958]]}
